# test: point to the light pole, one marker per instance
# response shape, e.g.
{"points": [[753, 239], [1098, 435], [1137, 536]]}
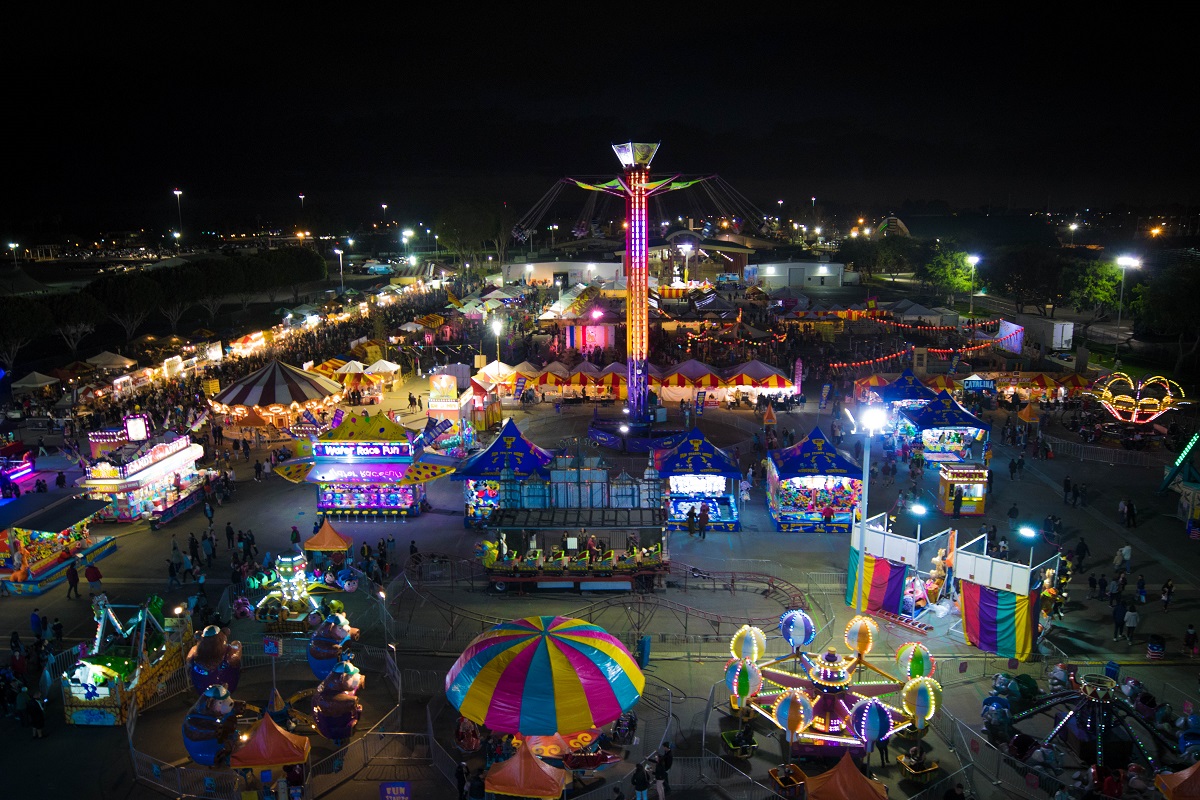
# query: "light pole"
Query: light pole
{"points": [[1123, 262], [1073, 227], [341, 273], [972, 260], [1029, 533], [179, 210], [13, 246], [301, 204], [686, 249], [497, 327], [384, 207], [871, 419], [405, 235]]}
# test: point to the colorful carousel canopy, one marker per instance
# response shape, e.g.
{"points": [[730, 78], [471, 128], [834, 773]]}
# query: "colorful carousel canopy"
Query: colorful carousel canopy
{"points": [[814, 456], [542, 675], [696, 455], [944, 412], [278, 384], [907, 387], [510, 450]]}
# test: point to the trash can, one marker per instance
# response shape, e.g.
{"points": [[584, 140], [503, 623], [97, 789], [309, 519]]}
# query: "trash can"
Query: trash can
{"points": [[643, 652], [1113, 670]]}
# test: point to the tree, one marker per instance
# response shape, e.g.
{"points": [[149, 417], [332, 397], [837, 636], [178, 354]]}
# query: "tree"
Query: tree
{"points": [[220, 277], [1166, 305], [1028, 275], [127, 299], [948, 271], [1091, 284], [74, 316], [254, 278], [863, 254], [21, 323], [465, 228], [178, 289]]}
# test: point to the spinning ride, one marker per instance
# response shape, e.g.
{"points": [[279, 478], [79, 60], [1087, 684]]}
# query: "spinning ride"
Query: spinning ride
{"points": [[817, 699], [1138, 402]]}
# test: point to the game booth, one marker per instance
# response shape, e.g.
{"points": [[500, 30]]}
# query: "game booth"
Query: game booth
{"points": [[481, 472], [895, 586], [40, 534], [1000, 601], [143, 477], [699, 474], [812, 488], [478, 405], [943, 431], [365, 468], [906, 392]]}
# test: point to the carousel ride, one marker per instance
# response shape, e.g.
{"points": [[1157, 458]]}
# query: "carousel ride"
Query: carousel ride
{"points": [[828, 703], [548, 685], [1111, 727]]}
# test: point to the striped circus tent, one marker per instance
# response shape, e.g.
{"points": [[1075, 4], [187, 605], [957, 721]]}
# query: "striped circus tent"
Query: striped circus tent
{"points": [[329, 368], [1074, 383], [278, 384], [558, 368], [549, 379], [580, 379], [709, 381], [1042, 383], [588, 368], [616, 367], [526, 370], [942, 383], [359, 380], [675, 379], [774, 382], [756, 374]]}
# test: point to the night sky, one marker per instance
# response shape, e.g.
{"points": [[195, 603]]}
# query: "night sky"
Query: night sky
{"points": [[416, 109]]}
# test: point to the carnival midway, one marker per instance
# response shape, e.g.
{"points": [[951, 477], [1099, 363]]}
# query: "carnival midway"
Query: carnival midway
{"points": [[583, 530]]}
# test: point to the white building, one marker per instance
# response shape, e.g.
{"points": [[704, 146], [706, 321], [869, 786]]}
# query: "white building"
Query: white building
{"points": [[568, 272], [800, 274]]}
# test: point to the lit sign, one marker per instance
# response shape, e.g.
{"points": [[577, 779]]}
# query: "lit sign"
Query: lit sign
{"points": [[442, 388], [137, 428], [361, 449], [156, 454]]}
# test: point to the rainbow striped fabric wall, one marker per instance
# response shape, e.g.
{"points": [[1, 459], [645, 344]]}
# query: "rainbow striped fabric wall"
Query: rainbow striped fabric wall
{"points": [[884, 580], [998, 622]]}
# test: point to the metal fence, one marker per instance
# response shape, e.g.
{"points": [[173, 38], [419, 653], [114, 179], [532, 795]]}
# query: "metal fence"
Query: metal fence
{"points": [[1113, 456]]}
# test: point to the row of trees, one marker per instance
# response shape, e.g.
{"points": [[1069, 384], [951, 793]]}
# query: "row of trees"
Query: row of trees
{"points": [[130, 298]]}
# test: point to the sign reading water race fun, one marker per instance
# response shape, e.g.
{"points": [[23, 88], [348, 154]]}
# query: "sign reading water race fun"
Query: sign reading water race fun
{"points": [[362, 449]]}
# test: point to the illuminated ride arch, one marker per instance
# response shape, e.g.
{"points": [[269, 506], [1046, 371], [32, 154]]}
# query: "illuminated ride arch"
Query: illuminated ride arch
{"points": [[1138, 402]]}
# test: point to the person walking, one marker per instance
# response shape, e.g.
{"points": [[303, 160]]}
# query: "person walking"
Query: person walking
{"points": [[1013, 513], [91, 573], [1130, 514], [35, 624], [295, 536], [669, 761], [194, 548], [1189, 641], [1021, 467], [1082, 551], [258, 470], [1102, 591], [1082, 495], [57, 629], [1114, 591], [1168, 590], [1066, 489], [229, 540], [1132, 619], [1012, 469], [187, 569], [209, 547], [72, 580], [1141, 589], [1118, 617], [1092, 586], [702, 522], [172, 575], [1127, 555], [36, 715], [641, 783], [691, 522]]}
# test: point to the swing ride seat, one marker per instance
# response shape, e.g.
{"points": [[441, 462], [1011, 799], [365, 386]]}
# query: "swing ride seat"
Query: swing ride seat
{"points": [[922, 775], [904, 622], [790, 779], [745, 751]]}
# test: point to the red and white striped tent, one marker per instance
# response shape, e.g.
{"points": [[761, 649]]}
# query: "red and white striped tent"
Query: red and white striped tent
{"points": [[279, 384]]}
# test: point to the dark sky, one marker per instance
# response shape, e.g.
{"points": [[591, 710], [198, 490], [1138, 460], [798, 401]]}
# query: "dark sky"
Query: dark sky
{"points": [[354, 108]]}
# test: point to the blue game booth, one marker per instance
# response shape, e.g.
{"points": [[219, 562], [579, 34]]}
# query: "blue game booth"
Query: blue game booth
{"points": [[948, 432], [806, 479], [481, 472], [699, 474]]}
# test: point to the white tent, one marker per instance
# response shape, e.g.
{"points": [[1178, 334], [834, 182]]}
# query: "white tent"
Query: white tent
{"points": [[107, 360], [496, 372], [351, 366], [412, 327], [34, 380], [382, 366]]}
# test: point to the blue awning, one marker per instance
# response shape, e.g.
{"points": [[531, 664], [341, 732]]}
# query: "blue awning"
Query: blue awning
{"points": [[814, 456], [511, 450], [906, 387], [696, 455], [944, 412]]}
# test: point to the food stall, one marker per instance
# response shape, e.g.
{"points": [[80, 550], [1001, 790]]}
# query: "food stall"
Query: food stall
{"points": [[812, 488], [366, 467], [39, 538], [154, 479], [481, 472], [967, 479], [699, 474], [947, 432]]}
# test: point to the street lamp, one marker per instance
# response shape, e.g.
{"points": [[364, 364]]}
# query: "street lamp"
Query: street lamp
{"points": [[1073, 227], [1123, 262], [497, 326], [1030, 534], [972, 260], [13, 246], [179, 210], [341, 273], [301, 204], [871, 419], [686, 249]]}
